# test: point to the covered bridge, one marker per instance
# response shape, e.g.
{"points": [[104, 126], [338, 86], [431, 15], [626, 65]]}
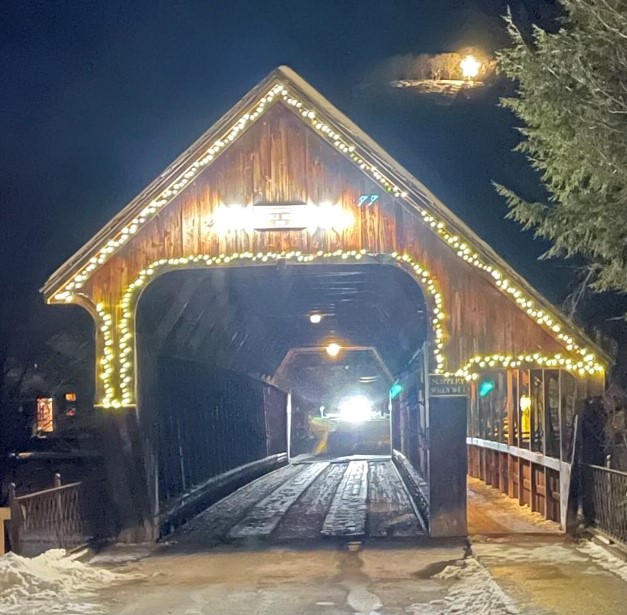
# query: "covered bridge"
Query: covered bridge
{"points": [[284, 258]]}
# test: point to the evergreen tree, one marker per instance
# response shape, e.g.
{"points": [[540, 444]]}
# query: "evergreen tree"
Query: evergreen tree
{"points": [[572, 98]]}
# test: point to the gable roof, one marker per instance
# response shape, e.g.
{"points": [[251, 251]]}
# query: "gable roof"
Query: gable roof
{"points": [[283, 84]]}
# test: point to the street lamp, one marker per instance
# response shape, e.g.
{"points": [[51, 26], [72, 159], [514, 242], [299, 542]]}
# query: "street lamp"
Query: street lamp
{"points": [[470, 67]]}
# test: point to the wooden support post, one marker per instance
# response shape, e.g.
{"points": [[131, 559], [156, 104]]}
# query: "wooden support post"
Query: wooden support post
{"points": [[504, 473], [288, 410], [129, 469], [448, 466], [5, 515], [533, 489]]}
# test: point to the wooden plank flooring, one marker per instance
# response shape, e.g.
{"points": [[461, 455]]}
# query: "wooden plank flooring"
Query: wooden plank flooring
{"points": [[320, 499]]}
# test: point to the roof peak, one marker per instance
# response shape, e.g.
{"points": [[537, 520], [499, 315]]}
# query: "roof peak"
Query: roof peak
{"points": [[285, 85]]}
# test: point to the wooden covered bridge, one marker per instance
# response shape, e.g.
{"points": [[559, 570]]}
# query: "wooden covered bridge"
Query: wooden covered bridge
{"points": [[285, 259]]}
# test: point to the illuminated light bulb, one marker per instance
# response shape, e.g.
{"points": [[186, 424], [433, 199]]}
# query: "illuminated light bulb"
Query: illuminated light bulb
{"points": [[470, 67], [355, 409], [333, 349], [315, 318]]}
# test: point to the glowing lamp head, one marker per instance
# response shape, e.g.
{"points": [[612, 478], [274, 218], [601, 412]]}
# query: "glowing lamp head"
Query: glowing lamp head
{"points": [[330, 216], [486, 387], [470, 67], [356, 409], [230, 218], [395, 390], [333, 349], [315, 318]]}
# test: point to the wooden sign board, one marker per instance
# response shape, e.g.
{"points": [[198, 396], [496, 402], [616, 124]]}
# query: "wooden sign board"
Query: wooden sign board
{"points": [[289, 216], [447, 386]]}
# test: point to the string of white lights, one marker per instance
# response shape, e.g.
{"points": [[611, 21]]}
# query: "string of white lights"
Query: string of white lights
{"points": [[588, 363], [107, 360], [126, 344]]}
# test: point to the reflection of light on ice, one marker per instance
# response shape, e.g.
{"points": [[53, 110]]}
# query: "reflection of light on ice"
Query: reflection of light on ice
{"points": [[355, 409]]}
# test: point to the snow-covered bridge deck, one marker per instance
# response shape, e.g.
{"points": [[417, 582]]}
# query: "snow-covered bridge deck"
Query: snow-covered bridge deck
{"points": [[341, 498]]}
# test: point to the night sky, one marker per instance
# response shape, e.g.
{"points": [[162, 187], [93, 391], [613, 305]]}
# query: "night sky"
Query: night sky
{"points": [[98, 97]]}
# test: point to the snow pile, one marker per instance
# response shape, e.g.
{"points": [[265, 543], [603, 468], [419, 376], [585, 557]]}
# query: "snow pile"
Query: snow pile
{"points": [[603, 558], [513, 554], [50, 583], [474, 591]]}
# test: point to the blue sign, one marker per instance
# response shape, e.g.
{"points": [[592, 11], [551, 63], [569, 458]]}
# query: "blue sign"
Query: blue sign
{"points": [[366, 200]]}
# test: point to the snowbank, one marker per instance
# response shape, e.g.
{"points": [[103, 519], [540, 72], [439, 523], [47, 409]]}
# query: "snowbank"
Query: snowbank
{"points": [[473, 591], [50, 583], [602, 557]]}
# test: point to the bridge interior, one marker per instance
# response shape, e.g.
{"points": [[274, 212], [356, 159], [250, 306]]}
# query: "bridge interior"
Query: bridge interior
{"points": [[221, 351]]}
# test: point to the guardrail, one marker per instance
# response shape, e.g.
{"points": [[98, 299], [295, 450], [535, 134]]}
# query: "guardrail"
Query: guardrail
{"points": [[187, 506], [605, 501], [64, 516], [416, 484]]}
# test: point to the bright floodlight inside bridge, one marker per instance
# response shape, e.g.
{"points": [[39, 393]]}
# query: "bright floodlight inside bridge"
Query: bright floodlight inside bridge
{"points": [[333, 349], [470, 67], [356, 409]]}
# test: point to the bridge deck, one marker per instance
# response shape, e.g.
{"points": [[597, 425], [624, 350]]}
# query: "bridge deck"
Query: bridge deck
{"points": [[334, 499]]}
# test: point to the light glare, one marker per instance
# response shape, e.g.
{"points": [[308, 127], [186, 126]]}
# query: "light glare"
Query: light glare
{"points": [[470, 67], [355, 409], [333, 349]]}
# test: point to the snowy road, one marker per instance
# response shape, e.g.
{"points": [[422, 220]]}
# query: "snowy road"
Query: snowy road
{"points": [[519, 564], [308, 501]]}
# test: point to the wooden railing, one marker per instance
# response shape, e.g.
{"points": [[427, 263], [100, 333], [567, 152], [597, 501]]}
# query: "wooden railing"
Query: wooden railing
{"points": [[605, 500], [64, 516]]}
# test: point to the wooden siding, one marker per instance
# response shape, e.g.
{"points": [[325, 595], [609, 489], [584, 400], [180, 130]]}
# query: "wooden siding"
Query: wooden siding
{"points": [[280, 159]]}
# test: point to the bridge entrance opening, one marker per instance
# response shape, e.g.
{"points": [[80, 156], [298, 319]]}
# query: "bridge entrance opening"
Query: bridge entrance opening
{"points": [[240, 365]]}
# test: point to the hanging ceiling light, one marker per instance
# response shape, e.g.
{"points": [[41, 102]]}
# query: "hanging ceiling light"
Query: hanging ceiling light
{"points": [[333, 349]]}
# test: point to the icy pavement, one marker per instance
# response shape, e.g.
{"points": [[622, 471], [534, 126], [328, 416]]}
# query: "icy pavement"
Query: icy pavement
{"points": [[537, 567], [502, 579], [523, 572], [517, 565], [329, 581], [541, 578], [547, 577]]}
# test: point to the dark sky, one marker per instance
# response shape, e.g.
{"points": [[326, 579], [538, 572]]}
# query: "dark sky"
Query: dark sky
{"points": [[98, 97]]}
